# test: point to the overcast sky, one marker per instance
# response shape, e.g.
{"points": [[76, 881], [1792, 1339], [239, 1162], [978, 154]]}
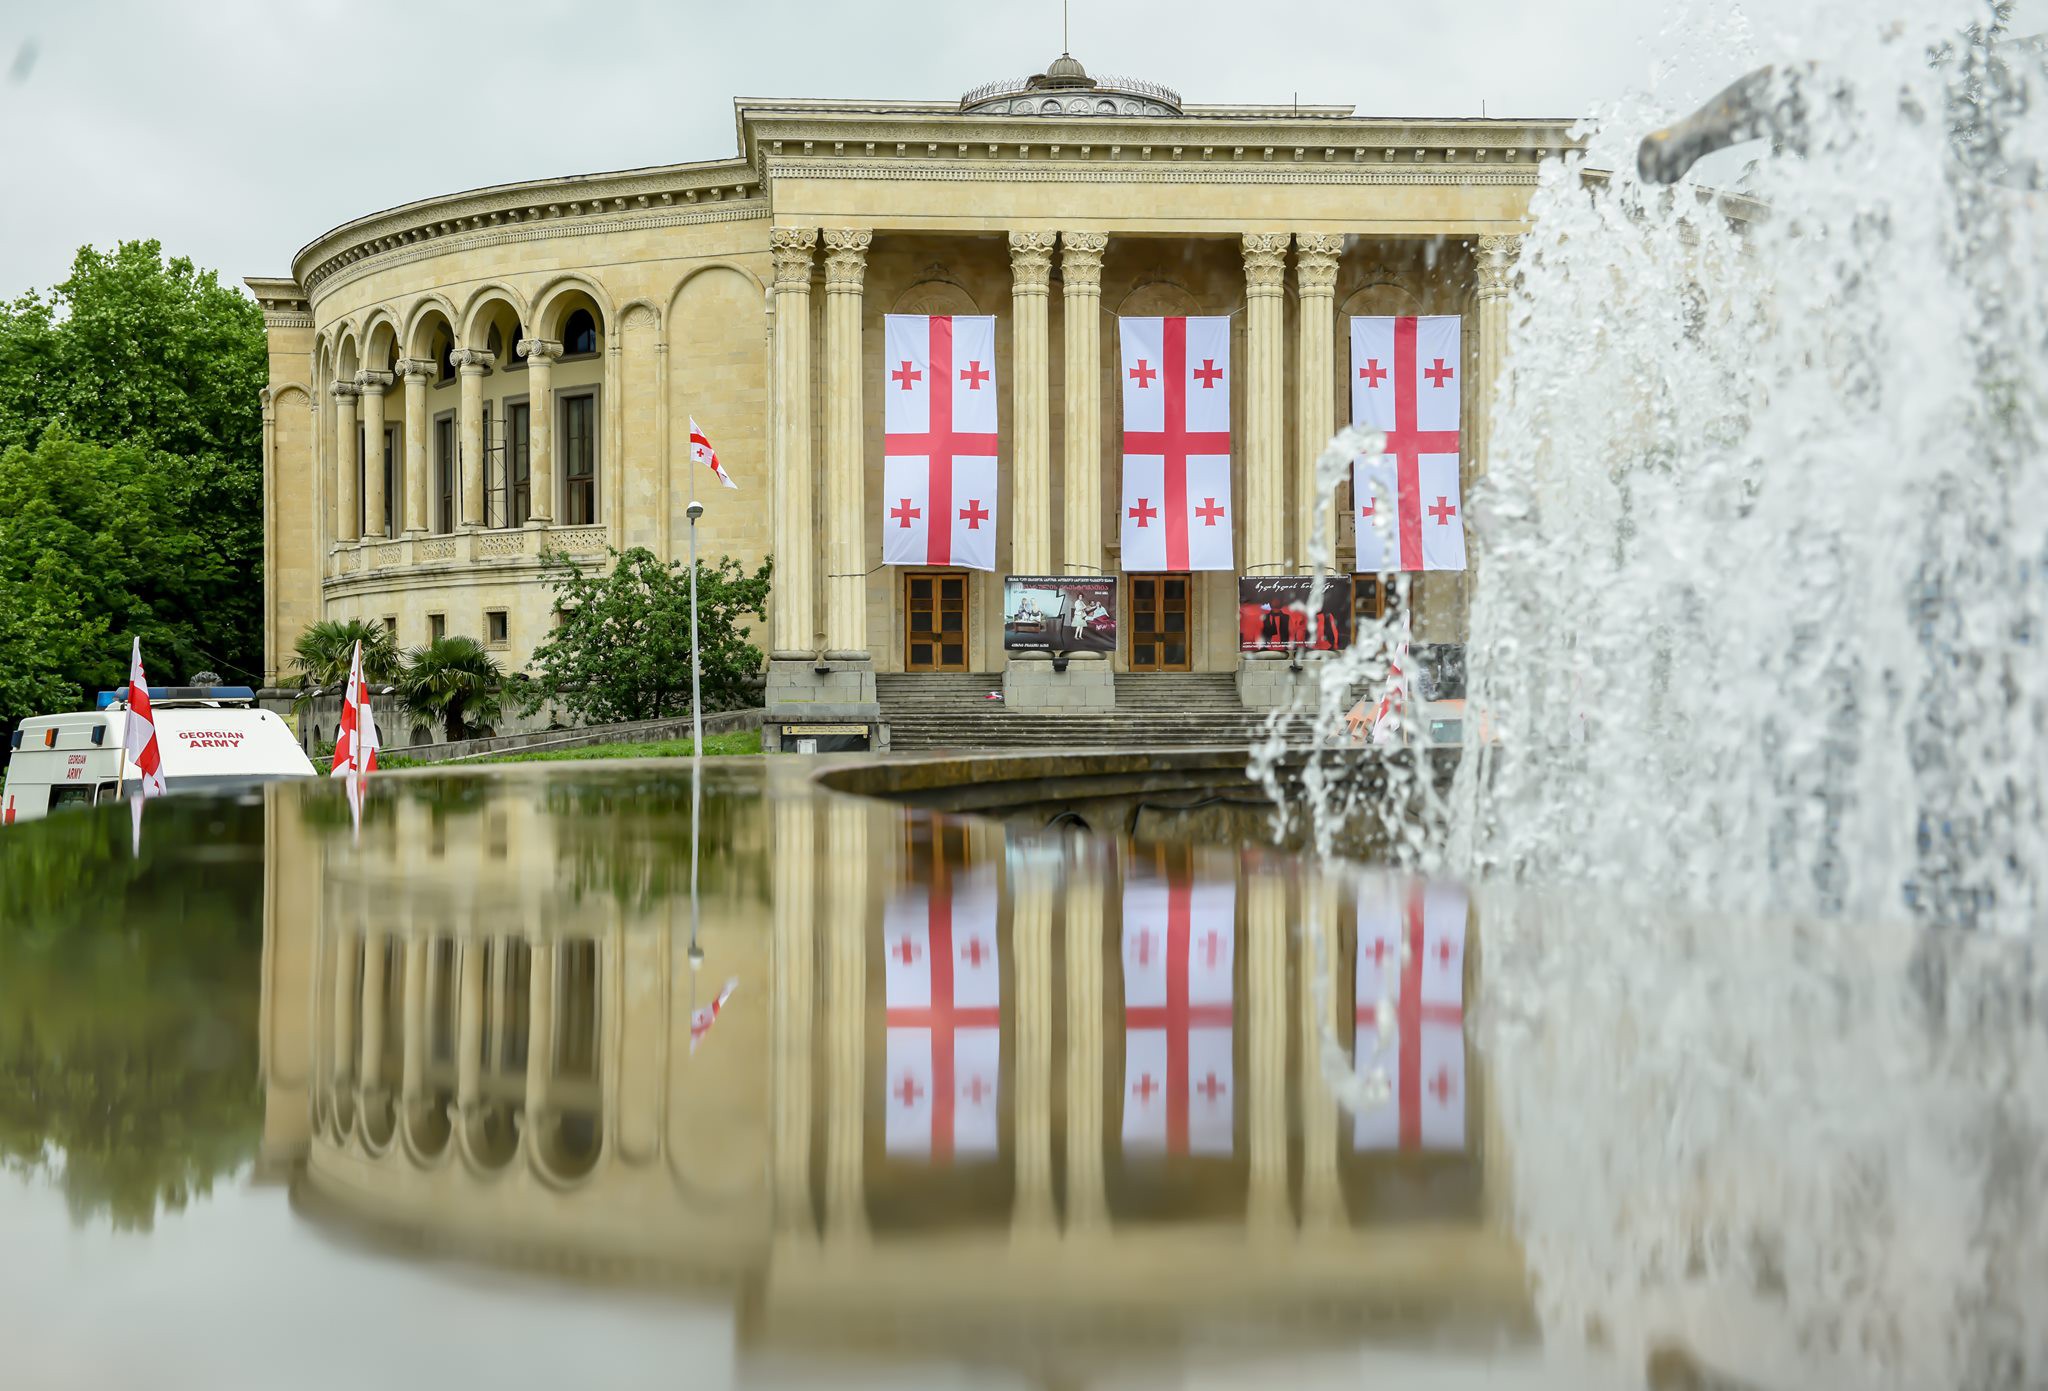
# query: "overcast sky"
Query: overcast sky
{"points": [[235, 131]]}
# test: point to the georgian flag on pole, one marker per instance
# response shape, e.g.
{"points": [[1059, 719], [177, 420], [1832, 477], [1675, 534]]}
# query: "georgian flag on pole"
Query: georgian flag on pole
{"points": [[1411, 975], [1404, 383], [939, 440], [702, 1018], [701, 452], [1179, 948], [942, 987], [355, 742], [1176, 497], [138, 740]]}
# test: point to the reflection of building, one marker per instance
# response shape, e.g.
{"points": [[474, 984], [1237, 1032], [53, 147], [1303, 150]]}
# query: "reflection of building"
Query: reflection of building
{"points": [[506, 1072]]}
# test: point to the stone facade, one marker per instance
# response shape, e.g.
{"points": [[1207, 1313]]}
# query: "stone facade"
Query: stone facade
{"points": [[563, 332]]}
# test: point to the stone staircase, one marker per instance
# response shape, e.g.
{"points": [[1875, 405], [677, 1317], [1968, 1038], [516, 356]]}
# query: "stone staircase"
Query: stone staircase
{"points": [[951, 710]]}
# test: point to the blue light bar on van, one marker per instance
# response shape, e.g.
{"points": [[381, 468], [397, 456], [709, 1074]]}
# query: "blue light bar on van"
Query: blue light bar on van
{"points": [[182, 693]]}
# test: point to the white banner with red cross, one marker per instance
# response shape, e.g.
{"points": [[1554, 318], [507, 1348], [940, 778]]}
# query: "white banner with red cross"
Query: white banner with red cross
{"points": [[943, 995], [939, 440], [1411, 971], [1176, 497], [1405, 383], [1179, 955]]}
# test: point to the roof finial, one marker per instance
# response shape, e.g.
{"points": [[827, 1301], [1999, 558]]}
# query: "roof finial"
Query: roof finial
{"points": [[1066, 42]]}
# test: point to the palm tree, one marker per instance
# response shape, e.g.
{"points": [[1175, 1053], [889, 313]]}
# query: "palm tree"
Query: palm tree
{"points": [[452, 681], [322, 654]]}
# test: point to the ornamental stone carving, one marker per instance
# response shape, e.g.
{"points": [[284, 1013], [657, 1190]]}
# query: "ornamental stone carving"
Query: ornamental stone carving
{"points": [[472, 360], [345, 390], [1031, 261], [1497, 264], [846, 257], [791, 248], [1081, 261], [1315, 261], [415, 369], [369, 382], [546, 349], [1265, 262]]}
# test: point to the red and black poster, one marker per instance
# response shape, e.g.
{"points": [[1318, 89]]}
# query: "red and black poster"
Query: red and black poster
{"points": [[1273, 614]]}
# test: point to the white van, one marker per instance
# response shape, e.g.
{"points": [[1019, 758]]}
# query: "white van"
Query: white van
{"points": [[207, 735]]}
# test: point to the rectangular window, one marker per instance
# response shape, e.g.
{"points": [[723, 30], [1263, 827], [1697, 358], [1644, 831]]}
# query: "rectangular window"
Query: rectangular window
{"points": [[519, 459], [1373, 597], [494, 475], [437, 626], [496, 628], [391, 626], [579, 459], [444, 473]]}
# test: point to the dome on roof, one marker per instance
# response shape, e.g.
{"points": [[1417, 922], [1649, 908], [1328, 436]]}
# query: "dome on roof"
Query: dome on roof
{"points": [[1064, 71], [1066, 89]]}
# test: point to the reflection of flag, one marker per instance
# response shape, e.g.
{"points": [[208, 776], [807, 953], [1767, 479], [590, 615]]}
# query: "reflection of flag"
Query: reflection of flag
{"points": [[1411, 961], [703, 1018], [1179, 945], [943, 988]]}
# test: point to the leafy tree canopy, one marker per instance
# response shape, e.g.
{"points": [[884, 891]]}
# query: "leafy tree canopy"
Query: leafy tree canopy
{"points": [[622, 651]]}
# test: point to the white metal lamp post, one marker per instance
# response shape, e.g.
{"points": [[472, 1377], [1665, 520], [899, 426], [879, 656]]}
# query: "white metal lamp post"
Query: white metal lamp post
{"points": [[694, 511]]}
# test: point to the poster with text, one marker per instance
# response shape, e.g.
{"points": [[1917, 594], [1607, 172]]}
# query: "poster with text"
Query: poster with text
{"points": [[1273, 614], [1059, 613]]}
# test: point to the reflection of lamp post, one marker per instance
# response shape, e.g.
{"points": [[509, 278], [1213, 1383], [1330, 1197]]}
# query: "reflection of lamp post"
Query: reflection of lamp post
{"points": [[694, 511]]}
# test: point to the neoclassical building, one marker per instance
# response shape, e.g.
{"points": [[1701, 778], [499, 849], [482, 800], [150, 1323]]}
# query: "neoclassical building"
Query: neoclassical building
{"points": [[462, 384]]}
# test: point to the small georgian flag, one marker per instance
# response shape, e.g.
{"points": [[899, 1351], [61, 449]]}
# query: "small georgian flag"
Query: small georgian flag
{"points": [[703, 1018], [702, 452], [355, 741], [138, 740]]}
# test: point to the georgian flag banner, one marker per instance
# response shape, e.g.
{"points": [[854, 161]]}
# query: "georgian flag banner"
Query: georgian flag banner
{"points": [[355, 741], [942, 988], [1411, 973], [1179, 952], [1404, 383], [138, 740], [939, 440], [1176, 496], [701, 452]]}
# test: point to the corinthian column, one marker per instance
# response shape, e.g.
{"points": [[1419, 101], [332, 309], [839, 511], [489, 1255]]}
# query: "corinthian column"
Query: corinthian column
{"points": [[540, 354], [1081, 285], [1087, 1199], [1265, 480], [846, 588], [846, 853], [1315, 278], [1266, 1114], [790, 1008], [470, 366], [348, 505], [1322, 1197], [1031, 949], [1496, 268], [372, 386], [1031, 404], [418, 374], [793, 625]]}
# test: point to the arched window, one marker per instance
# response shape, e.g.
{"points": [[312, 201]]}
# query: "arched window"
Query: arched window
{"points": [[495, 344], [579, 335], [444, 370]]}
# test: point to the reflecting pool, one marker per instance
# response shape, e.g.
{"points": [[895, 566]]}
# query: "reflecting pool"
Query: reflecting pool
{"points": [[493, 1078]]}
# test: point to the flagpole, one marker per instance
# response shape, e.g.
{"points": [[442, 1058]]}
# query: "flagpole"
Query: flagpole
{"points": [[695, 510]]}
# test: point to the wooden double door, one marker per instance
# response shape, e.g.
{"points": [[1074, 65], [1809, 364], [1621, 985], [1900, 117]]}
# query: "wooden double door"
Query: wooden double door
{"points": [[1160, 622], [935, 620]]}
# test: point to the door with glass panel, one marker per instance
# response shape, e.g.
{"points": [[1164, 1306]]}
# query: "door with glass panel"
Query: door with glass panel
{"points": [[934, 620], [1159, 623]]}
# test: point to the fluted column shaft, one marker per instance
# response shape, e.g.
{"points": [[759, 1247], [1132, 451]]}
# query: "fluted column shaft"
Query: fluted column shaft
{"points": [[344, 1011], [1266, 988], [418, 374], [1315, 277], [846, 587], [413, 1025], [1265, 462], [793, 621], [371, 386], [348, 505], [540, 1030], [791, 1004], [1496, 268], [1031, 402], [469, 1028], [470, 365], [1031, 952], [1322, 1198], [846, 851], [540, 422], [1087, 1202], [1081, 289], [372, 1041]]}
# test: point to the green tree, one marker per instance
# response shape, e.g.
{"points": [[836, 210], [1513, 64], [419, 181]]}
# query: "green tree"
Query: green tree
{"points": [[622, 650], [453, 682], [324, 651]]}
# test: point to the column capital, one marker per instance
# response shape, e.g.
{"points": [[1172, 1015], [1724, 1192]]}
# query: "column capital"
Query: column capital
{"points": [[1031, 261], [791, 248], [373, 383], [1081, 261], [538, 349], [1497, 256], [415, 369], [846, 258], [471, 362], [1265, 262], [345, 391], [1315, 261]]}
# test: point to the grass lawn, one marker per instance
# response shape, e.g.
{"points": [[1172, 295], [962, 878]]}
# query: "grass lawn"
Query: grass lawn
{"points": [[742, 741]]}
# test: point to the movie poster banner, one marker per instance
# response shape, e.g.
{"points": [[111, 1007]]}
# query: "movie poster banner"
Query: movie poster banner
{"points": [[1273, 614], [1059, 613]]}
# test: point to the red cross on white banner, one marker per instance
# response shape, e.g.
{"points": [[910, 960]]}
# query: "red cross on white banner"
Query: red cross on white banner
{"points": [[1405, 383], [939, 440], [943, 990], [1176, 512], [1179, 950], [1424, 988]]}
